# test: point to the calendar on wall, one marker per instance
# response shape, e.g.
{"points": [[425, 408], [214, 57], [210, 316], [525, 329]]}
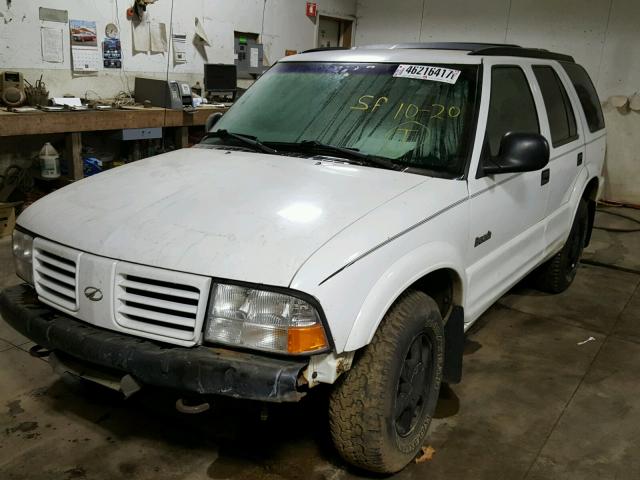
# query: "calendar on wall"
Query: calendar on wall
{"points": [[85, 55], [85, 59]]}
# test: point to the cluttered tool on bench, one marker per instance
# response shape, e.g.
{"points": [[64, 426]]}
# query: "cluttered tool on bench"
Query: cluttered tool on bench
{"points": [[163, 93]]}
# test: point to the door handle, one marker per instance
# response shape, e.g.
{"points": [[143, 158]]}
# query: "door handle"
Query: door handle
{"points": [[544, 178], [580, 159]]}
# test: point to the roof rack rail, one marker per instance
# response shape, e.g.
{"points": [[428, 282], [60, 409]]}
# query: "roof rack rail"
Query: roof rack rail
{"points": [[514, 51], [474, 48], [451, 45], [434, 46], [325, 49], [480, 48]]}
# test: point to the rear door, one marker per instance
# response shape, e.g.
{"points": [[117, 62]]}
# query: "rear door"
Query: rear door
{"points": [[564, 133], [589, 111]]}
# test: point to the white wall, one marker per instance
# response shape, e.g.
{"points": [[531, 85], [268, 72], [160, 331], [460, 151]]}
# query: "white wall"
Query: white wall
{"points": [[285, 27], [602, 35]]}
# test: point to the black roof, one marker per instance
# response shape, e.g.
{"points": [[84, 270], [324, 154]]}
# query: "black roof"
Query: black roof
{"points": [[325, 49], [474, 48], [516, 51], [471, 46]]}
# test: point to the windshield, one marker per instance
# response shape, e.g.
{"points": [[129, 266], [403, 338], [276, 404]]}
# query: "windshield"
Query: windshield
{"points": [[424, 122]]}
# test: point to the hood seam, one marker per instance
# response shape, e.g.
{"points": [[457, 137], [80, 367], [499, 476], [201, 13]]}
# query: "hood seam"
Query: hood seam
{"points": [[304, 262]]}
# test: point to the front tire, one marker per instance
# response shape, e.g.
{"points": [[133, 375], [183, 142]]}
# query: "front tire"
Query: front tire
{"points": [[557, 274], [381, 409]]}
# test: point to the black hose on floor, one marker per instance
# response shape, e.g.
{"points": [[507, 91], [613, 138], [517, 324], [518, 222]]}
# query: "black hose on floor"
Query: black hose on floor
{"points": [[618, 230], [595, 263]]}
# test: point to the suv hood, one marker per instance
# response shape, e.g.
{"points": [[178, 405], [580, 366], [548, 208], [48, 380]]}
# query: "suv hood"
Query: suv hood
{"points": [[228, 214]]}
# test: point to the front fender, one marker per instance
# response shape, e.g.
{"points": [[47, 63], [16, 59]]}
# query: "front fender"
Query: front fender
{"points": [[396, 279]]}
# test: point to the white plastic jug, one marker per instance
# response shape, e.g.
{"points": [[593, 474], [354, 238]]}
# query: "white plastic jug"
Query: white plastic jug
{"points": [[49, 162]]}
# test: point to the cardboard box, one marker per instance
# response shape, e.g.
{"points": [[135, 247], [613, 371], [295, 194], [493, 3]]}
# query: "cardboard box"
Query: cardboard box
{"points": [[7, 218]]}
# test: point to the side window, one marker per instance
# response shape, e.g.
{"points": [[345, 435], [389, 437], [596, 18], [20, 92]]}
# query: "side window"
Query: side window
{"points": [[562, 120], [587, 95], [511, 108]]}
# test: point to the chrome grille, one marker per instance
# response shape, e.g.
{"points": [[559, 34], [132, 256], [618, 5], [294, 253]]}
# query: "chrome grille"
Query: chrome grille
{"points": [[160, 303], [55, 277]]}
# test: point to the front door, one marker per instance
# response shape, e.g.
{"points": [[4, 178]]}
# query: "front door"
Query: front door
{"points": [[507, 210]]}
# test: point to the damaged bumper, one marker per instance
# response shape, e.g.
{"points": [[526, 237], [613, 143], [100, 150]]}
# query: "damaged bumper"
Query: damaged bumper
{"points": [[202, 370]]}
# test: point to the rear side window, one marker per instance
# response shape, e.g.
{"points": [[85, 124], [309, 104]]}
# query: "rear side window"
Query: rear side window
{"points": [[562, 120], [587, 95], [511, 108]]}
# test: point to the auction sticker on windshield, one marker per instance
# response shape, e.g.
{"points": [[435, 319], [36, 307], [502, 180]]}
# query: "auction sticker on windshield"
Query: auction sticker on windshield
{"points": [[426, 72]]}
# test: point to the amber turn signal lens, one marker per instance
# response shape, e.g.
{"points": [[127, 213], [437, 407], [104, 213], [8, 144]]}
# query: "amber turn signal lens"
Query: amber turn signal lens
{"points": [[306, 339]]}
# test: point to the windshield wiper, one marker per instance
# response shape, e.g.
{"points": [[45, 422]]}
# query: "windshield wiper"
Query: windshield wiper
{"points": [[352, 153], [245, 139]]}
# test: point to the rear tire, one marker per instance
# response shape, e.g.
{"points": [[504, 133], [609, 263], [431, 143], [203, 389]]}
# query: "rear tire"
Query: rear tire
{"points": [[380, 410], [558, 273]]}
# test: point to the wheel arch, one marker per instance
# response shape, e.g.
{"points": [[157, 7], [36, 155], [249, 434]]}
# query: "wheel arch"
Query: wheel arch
{"points": [[435, 269], [444, 286]]}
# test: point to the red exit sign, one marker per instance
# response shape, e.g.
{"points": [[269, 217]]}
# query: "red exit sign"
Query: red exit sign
{"points": [[312, 9]]}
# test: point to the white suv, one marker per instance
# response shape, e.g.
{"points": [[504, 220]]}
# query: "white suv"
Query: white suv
{"points": [[344, 223]]}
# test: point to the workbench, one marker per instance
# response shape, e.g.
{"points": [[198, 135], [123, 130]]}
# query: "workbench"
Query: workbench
{"points": [[72, 124]]}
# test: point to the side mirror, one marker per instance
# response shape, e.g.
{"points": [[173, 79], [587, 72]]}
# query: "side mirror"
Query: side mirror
{"points": [[211, 121], [519, 152]]}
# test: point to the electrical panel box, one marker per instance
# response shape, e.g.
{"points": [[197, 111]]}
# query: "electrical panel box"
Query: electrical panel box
{"points": [[249, 56]]}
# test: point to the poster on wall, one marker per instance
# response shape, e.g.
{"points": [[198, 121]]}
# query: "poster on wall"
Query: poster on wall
{"points": [[111, 53], [111, 48], [84, 46]]}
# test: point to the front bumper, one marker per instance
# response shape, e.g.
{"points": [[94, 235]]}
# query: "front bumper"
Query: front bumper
{"points": [[201, 370]]}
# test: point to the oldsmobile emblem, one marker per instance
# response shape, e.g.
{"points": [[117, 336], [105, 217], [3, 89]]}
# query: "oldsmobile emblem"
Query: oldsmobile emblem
{"points": [[94, 294]]}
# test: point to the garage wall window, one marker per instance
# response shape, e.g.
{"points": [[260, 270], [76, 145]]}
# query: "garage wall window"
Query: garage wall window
{"points": [[511, 108], [587, 95], [562, 120]]}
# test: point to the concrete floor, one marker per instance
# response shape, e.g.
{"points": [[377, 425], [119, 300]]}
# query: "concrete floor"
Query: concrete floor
{"points": [[534, 403]]}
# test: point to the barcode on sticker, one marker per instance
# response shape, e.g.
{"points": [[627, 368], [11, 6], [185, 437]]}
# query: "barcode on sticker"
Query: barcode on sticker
{"points": [[426, 72]]}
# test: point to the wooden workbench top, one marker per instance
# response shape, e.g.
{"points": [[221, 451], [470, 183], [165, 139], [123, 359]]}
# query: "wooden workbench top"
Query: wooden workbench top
{"points": [[12, 124]]}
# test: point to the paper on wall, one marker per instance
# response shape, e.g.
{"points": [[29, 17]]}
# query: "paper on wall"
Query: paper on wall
{"points": [[141, 36], [201, 33], [158, 34], [253, 58], [179, 47], [51, 41]]}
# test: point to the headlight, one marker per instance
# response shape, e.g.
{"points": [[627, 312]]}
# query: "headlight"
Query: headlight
{"points": [[22, 255], [263, 320]]}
